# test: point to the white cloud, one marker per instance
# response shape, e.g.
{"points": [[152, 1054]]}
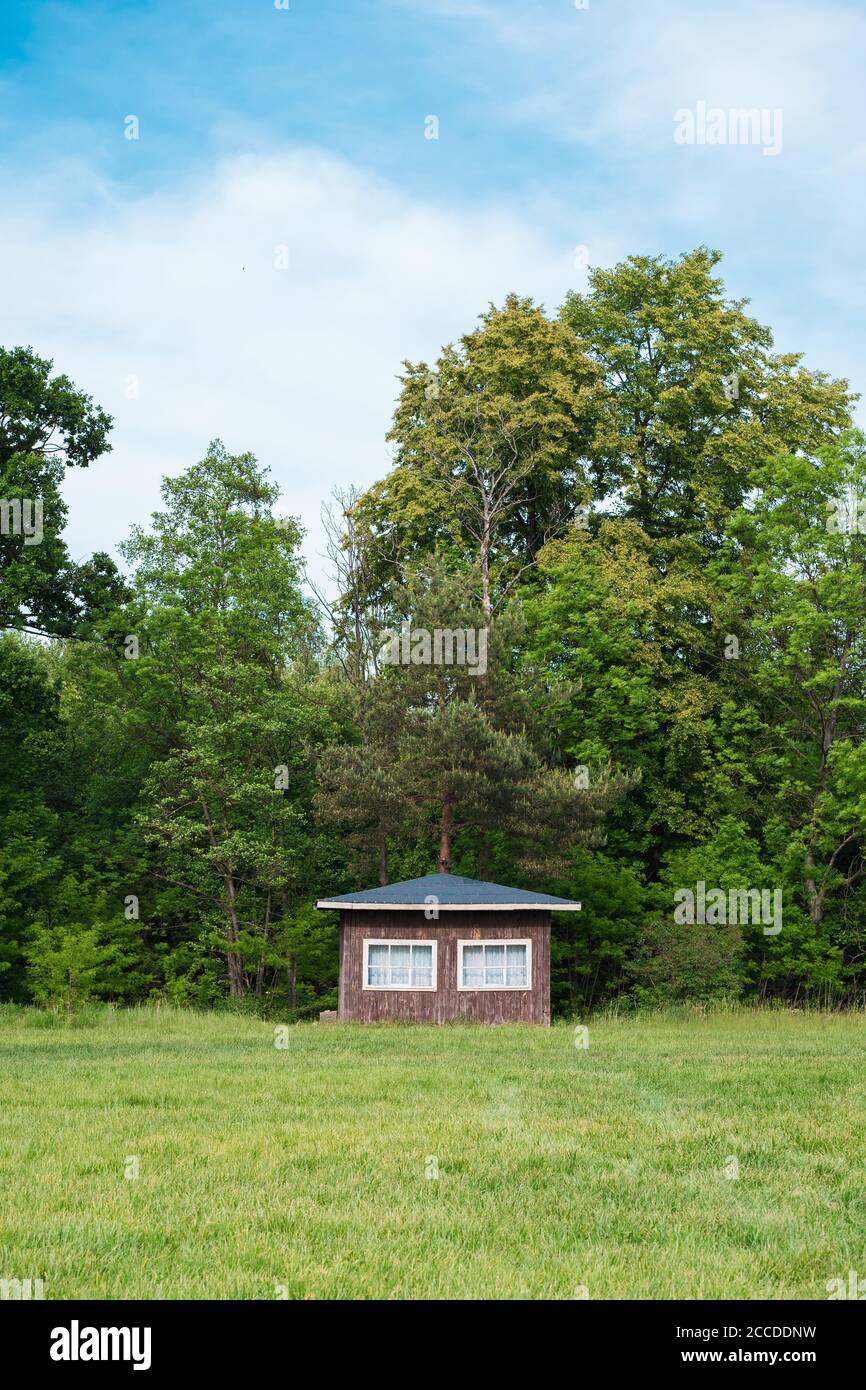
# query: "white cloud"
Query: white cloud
{"points": [[603, 84], [627, 62], [179, 291], [179, 288]]}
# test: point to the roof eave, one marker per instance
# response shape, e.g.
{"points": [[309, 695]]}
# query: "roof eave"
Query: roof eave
{"points": [[327, 903]]}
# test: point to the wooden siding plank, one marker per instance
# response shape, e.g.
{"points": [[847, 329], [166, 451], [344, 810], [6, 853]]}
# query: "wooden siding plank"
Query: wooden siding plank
{"points": [[446, 1003]]}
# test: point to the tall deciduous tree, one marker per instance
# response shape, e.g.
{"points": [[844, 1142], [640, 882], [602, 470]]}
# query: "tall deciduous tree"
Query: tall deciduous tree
{"points": [[491, 447], [30, 743], [46, 426], [794, 576], [222, 632], [699, 400]]}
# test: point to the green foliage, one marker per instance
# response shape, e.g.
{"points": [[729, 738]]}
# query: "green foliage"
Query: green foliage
{"points": [[46, 425], [590, 949], [450, 753], [69, 964], [676, 962], [489, 448], [223, 632], [658, 523], [697, 399], [45, 415]]}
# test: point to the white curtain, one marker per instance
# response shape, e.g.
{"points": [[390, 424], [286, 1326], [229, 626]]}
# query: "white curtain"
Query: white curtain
{"points": [[473, 966], [422, 964], [494, 963], [401, 965], [377, 965], [515, 967]]}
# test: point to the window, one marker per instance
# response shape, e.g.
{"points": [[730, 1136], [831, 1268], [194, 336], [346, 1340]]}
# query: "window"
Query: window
{"points": [[494, 965], [399, 965]]}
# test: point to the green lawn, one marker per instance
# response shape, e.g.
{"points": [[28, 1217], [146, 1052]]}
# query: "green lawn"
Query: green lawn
{"points": [[303, 1172]]}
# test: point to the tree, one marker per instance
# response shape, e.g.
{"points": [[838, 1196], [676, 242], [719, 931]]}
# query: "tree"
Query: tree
{"points": [[78, 950], [31, 739], [46, 425], [223, 633], [627, 662], [698, 400], [449, 756], [47, 416], [794, 576], [490, 448]]}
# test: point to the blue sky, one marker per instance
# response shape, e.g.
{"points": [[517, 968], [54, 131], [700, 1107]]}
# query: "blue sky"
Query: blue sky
{"points": [[148, 268]]}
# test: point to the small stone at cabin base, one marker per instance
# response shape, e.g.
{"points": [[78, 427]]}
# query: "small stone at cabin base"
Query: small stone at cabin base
{"points": [[328, 1016]]}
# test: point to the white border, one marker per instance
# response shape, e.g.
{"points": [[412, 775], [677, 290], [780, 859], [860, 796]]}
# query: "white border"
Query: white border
{"points": [[494, 941], [398, 941], [449, 907]]}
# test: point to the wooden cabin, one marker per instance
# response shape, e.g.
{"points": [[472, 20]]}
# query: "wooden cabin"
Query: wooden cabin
{"points": [[445, 947]]}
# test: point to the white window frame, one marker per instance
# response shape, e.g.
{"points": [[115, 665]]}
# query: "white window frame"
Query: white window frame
{"points": [[399, 941], [494, 941]]}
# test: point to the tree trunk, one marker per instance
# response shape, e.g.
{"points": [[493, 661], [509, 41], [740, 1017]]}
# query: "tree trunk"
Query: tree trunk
{"points": [[485, 560], [237, 979], [815, 896], [484, 853], [260, 968], [446, 829], [237, 982], [383, 859]]}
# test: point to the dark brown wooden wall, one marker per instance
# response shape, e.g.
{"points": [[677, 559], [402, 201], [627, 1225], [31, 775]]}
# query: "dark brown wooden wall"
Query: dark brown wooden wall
{"points": [[446, 1002]]}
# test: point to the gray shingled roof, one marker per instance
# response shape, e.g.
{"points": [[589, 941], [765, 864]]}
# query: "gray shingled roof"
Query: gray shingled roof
{"points": [[452, 891]]}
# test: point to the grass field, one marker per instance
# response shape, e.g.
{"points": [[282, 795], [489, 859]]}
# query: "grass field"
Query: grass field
{"points": [[302, 1172]]}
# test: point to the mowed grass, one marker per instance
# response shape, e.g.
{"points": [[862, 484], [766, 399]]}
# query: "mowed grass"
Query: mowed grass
{"points": [[303, 1172]]}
